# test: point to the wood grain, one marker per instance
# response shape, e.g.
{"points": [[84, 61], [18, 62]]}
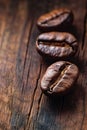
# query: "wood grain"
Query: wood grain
{"points": [[22, 104]]}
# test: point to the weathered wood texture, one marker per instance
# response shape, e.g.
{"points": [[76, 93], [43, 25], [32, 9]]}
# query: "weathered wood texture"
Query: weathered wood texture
{"points": [[22, 104]]}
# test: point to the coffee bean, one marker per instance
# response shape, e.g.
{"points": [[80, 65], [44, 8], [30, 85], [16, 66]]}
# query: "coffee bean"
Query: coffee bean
{"points": [[56, 19], [56, 45], [59, 78]]}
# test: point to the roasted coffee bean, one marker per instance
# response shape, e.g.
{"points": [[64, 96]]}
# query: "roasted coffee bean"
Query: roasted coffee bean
{"points": [[59, 78], [56, 19], [56, 45]]}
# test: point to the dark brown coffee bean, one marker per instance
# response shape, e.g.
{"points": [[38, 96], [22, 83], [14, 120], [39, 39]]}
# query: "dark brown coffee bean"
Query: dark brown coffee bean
{"points": [[59, 78], [56, 45], [55, 19]]}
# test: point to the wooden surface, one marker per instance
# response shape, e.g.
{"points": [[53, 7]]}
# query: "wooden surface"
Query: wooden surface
{"points": [[22, 104]]}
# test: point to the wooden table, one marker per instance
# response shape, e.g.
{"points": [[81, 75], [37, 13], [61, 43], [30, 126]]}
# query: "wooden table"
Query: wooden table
{"points": [[22, 104]]}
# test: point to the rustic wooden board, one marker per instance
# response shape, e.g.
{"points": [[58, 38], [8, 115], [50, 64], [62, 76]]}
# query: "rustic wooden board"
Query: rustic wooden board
{"points": [[22, 104]]}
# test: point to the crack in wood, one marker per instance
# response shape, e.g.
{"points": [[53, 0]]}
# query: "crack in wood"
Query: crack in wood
{"points": [[33, 96], [25, 59], [39, 103], [27, 76]]}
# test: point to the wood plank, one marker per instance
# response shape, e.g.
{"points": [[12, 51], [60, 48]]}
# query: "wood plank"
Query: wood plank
{"points": [[22, 104]]}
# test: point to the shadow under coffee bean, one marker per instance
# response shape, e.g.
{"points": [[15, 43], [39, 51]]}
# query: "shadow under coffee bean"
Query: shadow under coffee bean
{"points": [[59, 78]]}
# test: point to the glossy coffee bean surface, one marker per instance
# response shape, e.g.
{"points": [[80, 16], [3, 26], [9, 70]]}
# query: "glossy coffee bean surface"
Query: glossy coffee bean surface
{"points": [[56, 19], [59, 78], [56, 45]]}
